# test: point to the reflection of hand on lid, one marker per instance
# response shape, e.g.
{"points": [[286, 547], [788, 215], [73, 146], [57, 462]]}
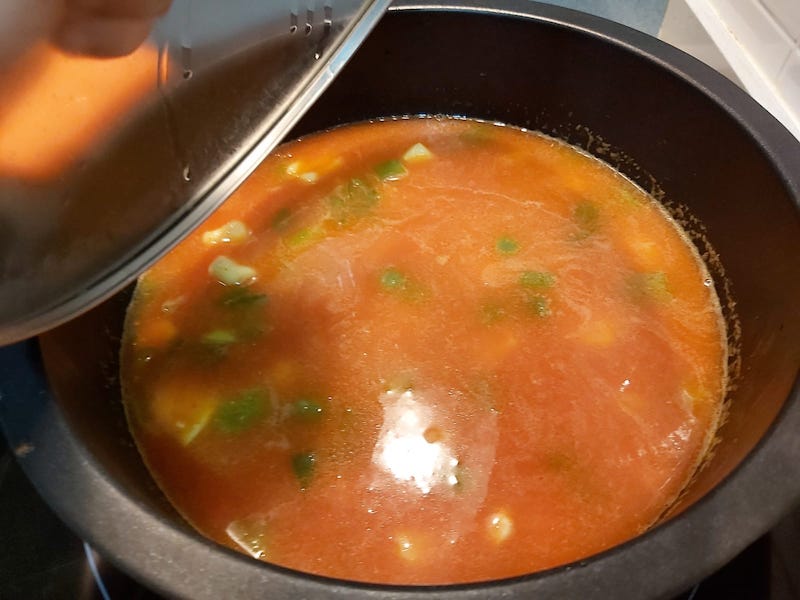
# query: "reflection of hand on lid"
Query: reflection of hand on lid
{"points": [[106, 27], [87, 27]]}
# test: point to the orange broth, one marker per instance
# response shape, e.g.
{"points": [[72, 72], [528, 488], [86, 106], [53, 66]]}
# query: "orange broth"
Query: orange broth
{"points": [[426, 351]]}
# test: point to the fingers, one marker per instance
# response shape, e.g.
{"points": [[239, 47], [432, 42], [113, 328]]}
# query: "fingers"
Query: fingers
{"points": [[107, 28], [136, 9]]}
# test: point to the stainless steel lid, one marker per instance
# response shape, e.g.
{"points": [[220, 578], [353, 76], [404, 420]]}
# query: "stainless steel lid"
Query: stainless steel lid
{"points": [[107, 164]]}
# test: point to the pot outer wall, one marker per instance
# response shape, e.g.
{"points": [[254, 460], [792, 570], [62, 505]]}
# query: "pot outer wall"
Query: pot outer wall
{"points": [[618, 93]]}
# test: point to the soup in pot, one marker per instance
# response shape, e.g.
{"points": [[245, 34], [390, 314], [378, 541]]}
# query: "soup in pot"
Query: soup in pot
{"points": [[426, 351]]}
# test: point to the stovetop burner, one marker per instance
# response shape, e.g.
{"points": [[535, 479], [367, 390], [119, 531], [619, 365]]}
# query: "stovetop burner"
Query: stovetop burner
{"points": [[43, 560]]}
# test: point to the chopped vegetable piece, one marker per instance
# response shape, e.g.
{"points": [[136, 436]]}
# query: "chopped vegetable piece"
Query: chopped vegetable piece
{"points": [[229, 272], [307, 410], [417, 153], [242, 297], [182, 408], [539, 305], [500, 526], [303, 465], [309, 177], [281, 218], [242, 411], [352, 200], [537, 279], [305, 236], [587, 218], [250, 534], [391, 170], [492, 313], [221, 337], [507, 245], [392, 279], [231, 233], [650, 285]]}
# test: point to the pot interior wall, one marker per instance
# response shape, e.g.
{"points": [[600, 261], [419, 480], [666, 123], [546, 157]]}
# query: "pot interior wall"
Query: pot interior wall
{"points": [[576, 86]]}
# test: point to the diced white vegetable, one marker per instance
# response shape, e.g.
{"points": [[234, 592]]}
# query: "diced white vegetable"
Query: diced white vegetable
{"points": [[181, 409], [302, 172], [500, 526], [232, 232], [417, 153], [230, 272], [310, 177]]}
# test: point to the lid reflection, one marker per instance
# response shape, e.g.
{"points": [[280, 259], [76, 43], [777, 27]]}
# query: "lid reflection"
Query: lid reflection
{"points": [[409, 446]]}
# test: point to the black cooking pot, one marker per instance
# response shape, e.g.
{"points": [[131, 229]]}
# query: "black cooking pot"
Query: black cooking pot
{"points": [[728, 171]]}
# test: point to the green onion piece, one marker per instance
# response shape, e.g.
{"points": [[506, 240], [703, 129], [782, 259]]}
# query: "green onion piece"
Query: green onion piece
{"points": [[242, 411], [537, 279], [392, 279], [538, 305], [355, 199], [303, 465], [587, 217], [417, 153], [650, 285], [242, 297], [219, 337], [229, 272], [391, 170], [281, 218], [507, 245], [305, 236], [307, 410], [492, 313]]}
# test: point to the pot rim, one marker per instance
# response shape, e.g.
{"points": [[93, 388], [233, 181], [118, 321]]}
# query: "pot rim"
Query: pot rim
{"points": [[754, 495]]}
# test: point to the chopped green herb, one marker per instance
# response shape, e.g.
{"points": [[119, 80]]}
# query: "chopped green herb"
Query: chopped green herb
{"points": [[391, 170], [537, 279], [492, 313], [352, 200], [650, 285], [305, 236], [507, 245], [392, 279], [281, 218], [587, 217], [242, 411], [220, 337], [538, 305], [307, 410], [242, 297], [303, 465], [230, 233]]}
